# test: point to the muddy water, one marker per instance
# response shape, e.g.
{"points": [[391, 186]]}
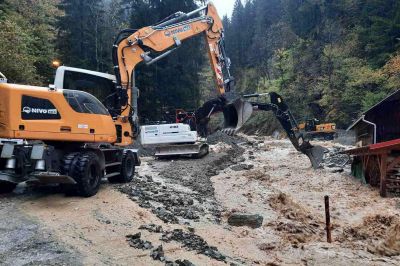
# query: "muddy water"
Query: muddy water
{"points": [[272, 180]]}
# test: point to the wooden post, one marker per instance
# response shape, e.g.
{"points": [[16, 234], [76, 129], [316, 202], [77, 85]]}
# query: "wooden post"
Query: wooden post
{"points": [[328, 221], [383, 170]]}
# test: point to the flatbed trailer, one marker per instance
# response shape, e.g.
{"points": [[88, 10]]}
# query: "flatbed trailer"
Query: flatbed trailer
{"points": [[378, 165]]}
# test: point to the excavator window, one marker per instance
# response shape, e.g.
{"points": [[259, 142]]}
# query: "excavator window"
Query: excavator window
{"points": [[100, 87], [83, 102]]}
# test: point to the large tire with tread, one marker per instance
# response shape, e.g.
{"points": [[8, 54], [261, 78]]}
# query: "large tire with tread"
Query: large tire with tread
{"points": [[7, 187], [87, 173], [68, 162], [127, 170]]}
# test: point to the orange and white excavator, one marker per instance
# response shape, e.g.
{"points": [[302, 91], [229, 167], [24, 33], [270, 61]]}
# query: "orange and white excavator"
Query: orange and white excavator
{"points": [[62, 134], [151, 44]]}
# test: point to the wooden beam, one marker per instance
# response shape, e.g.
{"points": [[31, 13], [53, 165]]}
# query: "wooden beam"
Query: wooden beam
{"points": [[393, 164], [383, 170]]}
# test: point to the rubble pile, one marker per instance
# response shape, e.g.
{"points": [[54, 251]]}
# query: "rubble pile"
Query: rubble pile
{"points": [[191, 241], [152, 228], [166, 203], [334, 160], [135, 241], [221, 137]]}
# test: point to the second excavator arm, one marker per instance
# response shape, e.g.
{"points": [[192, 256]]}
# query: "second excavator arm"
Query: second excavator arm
{"points": [[283, 114]]}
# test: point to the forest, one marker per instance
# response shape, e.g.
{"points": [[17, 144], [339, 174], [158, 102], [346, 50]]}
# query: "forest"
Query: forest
{"points": [[330, 59]]}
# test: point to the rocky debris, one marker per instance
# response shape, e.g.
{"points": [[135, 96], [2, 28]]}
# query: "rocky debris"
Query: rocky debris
{"points": [[336, 170], [158, 254], [194, 242], [334, 159], [179, 263], [241, 167], [135, 241], [196, 174], [168, 204], [165, 216], [241, 219], [172, 205], [221, 137], [152, 228]]}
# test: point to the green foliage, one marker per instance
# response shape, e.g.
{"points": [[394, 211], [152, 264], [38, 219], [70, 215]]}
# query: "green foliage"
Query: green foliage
{"points": [[371, 99], [86, 33], [27, 40], [329, 59]]}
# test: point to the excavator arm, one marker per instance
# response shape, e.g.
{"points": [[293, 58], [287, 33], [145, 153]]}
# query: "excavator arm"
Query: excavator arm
{"points": [[152, 43], [282, 113]]}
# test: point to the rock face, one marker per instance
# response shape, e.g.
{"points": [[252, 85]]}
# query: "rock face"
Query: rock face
{"points": [[241, 219]]}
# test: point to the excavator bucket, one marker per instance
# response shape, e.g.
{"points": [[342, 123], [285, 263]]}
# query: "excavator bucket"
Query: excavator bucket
{"points": [[316, 155], [235, 115]]}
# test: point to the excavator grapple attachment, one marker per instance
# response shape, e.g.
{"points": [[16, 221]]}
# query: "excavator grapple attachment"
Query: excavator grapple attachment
{"points": [[236, 114]]}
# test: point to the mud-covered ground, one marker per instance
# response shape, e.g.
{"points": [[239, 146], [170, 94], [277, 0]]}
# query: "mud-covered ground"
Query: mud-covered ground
{"points": [[176, 213]]}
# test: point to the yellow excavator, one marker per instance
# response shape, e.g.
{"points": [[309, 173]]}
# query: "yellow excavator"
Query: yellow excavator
{"points": [[67, 136], [313, 129]]}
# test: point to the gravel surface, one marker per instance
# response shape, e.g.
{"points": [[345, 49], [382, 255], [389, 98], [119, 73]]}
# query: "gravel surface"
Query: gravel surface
{"points": [[25, 242]]}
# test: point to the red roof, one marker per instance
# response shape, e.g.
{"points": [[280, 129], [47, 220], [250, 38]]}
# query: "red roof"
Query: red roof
{"points": [[391, 144], [375, 148]]}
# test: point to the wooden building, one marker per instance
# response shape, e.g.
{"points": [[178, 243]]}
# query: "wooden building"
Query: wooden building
{"points": [[380, 123], [377, 156]]}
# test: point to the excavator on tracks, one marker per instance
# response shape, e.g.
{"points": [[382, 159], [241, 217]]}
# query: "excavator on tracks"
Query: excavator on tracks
{"points": [[64, 135]]}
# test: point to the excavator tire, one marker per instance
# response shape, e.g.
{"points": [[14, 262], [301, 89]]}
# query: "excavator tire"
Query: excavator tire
{"points": [[7, 187], [66, 169], [127, 169], [87, 173]]}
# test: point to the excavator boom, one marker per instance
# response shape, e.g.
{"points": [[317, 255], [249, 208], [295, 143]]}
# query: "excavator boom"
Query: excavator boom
{"points": [[151, 44]]}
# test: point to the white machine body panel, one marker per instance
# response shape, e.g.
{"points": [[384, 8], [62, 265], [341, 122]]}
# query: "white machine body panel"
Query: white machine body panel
{"points": [[167, 134]]}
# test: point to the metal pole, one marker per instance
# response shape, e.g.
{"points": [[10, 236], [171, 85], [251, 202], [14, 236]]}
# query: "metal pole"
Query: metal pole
{"points": [[328, 221], [373, 124]]}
